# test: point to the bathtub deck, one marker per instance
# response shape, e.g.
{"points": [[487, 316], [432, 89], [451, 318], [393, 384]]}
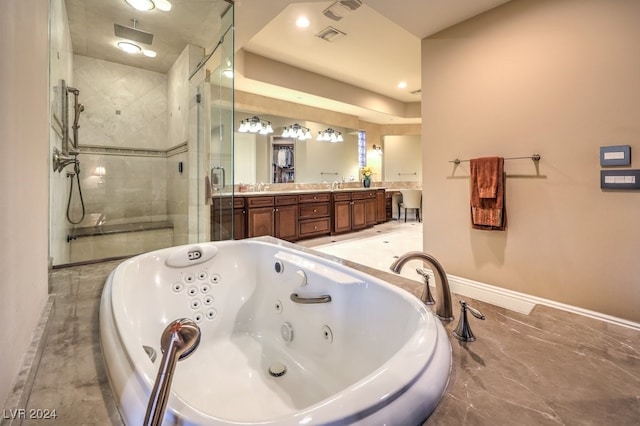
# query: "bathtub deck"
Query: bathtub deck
{"points": [[547, 368]]}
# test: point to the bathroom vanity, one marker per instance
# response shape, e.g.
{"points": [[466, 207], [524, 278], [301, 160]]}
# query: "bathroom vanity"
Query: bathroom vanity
{"points": [[297, 214]]}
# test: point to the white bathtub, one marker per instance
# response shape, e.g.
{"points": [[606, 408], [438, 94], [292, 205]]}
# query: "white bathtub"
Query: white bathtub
{"points": [[373, 355]]}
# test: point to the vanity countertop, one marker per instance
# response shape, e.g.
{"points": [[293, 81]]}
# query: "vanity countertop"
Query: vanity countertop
{"points": [[295, 191]]}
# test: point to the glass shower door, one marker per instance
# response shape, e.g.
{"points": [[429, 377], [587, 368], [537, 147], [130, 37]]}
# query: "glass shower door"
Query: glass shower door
{"points": [[215, 140]]}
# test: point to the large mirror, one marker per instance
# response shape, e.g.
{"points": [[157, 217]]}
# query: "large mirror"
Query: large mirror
{"points": [[271, 158]]}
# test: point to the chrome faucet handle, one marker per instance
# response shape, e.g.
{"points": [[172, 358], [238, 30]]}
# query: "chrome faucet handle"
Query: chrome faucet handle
{"points": [[463, 330], [426, 297]]}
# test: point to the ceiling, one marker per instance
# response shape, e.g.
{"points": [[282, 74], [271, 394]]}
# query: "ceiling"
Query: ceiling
{"points": [[381, 46]]}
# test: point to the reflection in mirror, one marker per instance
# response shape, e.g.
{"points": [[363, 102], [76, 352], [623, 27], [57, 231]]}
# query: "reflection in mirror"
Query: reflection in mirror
{"points": [[399, 160], [310, 161]]}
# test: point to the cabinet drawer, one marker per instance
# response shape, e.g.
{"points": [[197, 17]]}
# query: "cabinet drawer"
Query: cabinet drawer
{"points": [[286, 200], [314, 198], [361, 195], [314, 210], [238, 202], [259, 202], [227, 202], [315, 226], [342, 196]]}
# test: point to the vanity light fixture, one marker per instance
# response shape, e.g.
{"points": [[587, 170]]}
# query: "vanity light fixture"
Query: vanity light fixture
{"points": [[377, 149], [147, 5], [296, 131], [330, 135], [255, 125]]}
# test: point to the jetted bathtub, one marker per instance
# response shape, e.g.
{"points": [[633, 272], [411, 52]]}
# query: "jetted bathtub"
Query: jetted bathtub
{"points": [[372, 355]]}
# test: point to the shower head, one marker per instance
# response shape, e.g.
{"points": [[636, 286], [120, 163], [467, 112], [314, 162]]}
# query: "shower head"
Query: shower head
{"points": [[133, 34]]}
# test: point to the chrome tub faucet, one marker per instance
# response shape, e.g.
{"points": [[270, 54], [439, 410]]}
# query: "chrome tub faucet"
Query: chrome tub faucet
{"points": [[444, 306]]}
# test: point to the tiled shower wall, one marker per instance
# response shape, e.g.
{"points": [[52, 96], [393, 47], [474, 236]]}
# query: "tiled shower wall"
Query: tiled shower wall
{"points": [[122, 130]]}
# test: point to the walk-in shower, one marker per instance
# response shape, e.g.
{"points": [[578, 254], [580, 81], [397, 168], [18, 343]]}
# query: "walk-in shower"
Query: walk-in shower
{"points": [[135, 128]]}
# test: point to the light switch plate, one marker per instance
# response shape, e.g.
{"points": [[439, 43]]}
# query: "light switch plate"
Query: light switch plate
{"points": [[618, 155], [620, 179]]}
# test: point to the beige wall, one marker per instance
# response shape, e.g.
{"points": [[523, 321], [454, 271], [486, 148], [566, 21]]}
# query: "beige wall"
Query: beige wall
{"points": [[555, 77], [24, 166]]}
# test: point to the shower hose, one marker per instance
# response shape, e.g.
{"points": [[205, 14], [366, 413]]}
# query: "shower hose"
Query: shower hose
{"points": [[76, 172]]}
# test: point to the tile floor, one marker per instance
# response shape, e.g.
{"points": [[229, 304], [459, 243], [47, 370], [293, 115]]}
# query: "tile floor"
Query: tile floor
{"points": [[547, 368]]}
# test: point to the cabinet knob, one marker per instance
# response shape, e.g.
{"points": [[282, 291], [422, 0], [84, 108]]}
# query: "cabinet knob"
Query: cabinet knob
{"points": [[315, 211], [315, 227]]}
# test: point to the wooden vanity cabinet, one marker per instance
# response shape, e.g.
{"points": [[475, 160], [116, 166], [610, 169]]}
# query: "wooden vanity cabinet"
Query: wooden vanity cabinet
{"points": [[273, 215], [314, 214], [228, 218], [292, 217], [260, 216], [286, 217], [342, 206]]}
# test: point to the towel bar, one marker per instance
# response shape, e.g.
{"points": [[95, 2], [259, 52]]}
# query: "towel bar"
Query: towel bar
{"points": [[534, 157]]}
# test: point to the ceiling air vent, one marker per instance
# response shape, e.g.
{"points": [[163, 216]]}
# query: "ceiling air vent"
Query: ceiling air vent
{"points": [[351, 4], [416, 92], [335, 12], [331, 13], [330, 34]]}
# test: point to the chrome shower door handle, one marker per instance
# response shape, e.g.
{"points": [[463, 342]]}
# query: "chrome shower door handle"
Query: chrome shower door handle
{"points": [[218, 183]]}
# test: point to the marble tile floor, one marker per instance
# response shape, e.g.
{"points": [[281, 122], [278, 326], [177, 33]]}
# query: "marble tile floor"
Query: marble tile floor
{"points": [[546, 368]]}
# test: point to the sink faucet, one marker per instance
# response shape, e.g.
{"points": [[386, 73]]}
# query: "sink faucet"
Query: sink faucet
{"points": [[444, 307], [335, 185], [260, 187]]}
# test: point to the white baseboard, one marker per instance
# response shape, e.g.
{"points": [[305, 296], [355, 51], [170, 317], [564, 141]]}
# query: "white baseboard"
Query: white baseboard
{"points": [[521, 302]]}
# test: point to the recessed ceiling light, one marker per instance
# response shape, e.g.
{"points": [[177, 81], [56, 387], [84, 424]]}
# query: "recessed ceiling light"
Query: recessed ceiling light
{"points": [[129, 47], [142, 5], [402, 85], [302, 22], [163, 5], [146, 5], [149, 53]]}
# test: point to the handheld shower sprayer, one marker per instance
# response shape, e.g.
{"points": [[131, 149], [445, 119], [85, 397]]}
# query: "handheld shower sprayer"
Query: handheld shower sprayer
{"points": [[77, 108]]}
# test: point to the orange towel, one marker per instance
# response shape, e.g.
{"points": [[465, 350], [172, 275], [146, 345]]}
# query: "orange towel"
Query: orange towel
{"points": [[487, 194]]}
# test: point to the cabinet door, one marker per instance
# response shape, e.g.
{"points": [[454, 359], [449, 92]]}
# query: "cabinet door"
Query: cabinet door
{"points": [[239, 223], [371, 211], [341, 216], [260, 221], [358, 214], [221, 224], [286, 222]]}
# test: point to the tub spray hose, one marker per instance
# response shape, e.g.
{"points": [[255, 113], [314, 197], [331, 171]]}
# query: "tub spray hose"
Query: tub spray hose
{"points": [[76, 169]]}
